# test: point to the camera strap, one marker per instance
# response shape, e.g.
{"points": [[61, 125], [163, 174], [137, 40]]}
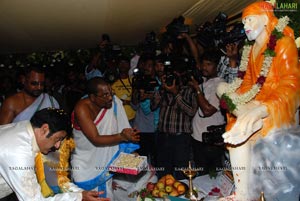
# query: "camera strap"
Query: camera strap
{"points": [[125, 85], [202, 89]]}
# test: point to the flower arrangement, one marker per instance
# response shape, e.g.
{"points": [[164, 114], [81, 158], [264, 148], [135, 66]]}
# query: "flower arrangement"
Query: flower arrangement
{"points": [[145, 195], [230, 99]]}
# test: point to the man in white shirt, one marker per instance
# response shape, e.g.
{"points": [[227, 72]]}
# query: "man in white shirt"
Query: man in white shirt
{"points": [[20, 142], [207, 155]]}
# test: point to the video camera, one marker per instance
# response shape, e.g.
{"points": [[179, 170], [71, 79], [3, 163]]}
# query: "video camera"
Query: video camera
{"points": [[169, 71], [192, 71], [237, 34], [215, 34], [186, 67], [142, 81], [176, 27], [150, 45], [209, 32]]}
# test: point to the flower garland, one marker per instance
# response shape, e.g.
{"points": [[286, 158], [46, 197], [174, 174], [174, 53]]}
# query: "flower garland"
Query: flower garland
{"points": [[230, 99], [40, 174], [62, 168]]}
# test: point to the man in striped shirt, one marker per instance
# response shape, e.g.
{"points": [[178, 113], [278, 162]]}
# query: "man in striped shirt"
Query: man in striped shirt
{"points": [[178, 106]]}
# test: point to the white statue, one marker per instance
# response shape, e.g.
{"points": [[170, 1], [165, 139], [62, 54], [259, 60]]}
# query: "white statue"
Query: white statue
{"points": [[265, 96]]}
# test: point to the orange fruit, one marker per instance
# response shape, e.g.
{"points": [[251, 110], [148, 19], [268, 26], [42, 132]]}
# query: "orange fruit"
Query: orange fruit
{"points": [[181, 189], [176, 183], [174, 192], [170, 181]]}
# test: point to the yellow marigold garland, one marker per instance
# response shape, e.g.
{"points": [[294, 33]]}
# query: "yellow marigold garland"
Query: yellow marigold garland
{"points": [[39, 168], [62, 168]]}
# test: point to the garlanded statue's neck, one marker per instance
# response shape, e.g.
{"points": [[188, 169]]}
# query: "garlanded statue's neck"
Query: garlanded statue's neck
{"points": [[262, 39], [260, 42]]}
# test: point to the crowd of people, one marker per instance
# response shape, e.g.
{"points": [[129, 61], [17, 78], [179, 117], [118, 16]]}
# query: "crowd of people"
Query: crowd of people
{"points": [[160, 105], [162, 108], [159, 108]]}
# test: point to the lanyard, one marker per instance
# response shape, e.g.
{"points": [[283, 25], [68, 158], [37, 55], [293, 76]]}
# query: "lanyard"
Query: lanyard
{"points": [[125, 85], [202, 89]]}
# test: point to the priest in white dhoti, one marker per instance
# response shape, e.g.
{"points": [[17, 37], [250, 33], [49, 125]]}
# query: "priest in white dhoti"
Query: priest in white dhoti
{"points": [[42, 101], [101, 131], [22, 105], [21, 142]]}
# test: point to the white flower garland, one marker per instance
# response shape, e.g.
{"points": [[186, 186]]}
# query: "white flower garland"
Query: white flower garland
{"points": [[267, 63]]}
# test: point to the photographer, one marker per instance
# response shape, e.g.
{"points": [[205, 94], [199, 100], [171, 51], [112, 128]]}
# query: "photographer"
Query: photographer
{"points": [[226, 38], [122, 86], [206, 154], [232, 41], [192, 50], [229, 63], [97, 65], [178, 106], [145, 86]]}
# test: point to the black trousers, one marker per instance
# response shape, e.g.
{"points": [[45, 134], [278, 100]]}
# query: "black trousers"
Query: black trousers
{"points": [[173, 154], [148, 147], [207, 157], [11, 197]]}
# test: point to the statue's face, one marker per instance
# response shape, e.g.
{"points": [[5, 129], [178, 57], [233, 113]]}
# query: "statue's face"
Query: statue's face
{"points": [[254, 25]]}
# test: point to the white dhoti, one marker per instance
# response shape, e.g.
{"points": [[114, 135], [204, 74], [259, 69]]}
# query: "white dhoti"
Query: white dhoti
{"points": [[90, 163]]}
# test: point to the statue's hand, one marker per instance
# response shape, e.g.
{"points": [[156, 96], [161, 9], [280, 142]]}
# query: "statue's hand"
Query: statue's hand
{"points": [[247, 123], [246, 108]]}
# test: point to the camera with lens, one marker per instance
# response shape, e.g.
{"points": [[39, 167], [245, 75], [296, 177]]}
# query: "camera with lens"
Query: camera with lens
{"points": [[142, 81], [214, 133], [111, 75], [169, 70], [150, 45], [235, 35], [186, 67], [209, 33], [189, 70], [216, 34], [176, 27]]}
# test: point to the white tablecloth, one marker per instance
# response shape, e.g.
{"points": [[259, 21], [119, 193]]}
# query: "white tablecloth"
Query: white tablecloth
{"points": [[203, 184]]}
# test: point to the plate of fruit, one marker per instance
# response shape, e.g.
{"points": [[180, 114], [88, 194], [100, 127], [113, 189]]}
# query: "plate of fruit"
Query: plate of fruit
{"points": [[166, 185]]}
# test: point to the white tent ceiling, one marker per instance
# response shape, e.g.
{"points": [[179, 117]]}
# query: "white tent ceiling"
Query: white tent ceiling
{"points": [[41, 25]]}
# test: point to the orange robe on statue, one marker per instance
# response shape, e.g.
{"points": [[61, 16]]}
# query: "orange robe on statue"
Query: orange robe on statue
{"points": [[280, 92]]}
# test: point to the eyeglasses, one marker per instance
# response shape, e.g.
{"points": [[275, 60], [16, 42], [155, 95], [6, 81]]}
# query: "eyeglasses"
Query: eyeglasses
{"points": [[35, 83], [105, 95]]}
